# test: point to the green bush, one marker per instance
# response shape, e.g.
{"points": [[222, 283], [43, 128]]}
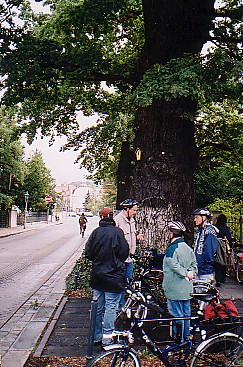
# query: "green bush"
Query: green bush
{"points": [[232, 210], [78, 279]]}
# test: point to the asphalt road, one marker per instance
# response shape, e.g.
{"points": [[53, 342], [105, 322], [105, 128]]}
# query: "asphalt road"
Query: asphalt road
{"points": [[29, 259]]}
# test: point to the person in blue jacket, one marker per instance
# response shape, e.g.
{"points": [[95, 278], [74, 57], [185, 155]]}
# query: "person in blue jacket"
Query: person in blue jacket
{"points": [[206, 244]]}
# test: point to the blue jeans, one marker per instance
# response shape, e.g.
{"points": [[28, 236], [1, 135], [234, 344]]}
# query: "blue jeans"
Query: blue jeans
{"points": [[181, 309], [108, 301], [128, 275], [129, 270]]}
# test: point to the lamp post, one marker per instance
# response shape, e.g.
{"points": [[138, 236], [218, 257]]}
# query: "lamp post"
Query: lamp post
{"points": [[26, 198]]}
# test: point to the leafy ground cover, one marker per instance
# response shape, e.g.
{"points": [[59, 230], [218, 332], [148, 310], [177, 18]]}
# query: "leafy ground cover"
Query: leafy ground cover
{"points": [[146, 361]]}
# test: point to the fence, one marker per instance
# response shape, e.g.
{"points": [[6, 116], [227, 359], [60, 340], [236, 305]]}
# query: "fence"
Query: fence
{"points": [[4, 219], [32, 217]]}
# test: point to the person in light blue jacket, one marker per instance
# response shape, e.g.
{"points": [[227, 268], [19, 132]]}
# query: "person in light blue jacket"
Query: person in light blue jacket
{"points": [[180, 268]]}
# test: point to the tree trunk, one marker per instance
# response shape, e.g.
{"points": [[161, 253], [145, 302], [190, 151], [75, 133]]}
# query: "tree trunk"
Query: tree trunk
{"points": [[163, 177], [124, 174]]}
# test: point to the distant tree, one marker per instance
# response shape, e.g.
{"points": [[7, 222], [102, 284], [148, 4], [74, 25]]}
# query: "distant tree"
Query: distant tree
{"points": [[12, 165], [87, 201], [38, 182], [108, 194]]}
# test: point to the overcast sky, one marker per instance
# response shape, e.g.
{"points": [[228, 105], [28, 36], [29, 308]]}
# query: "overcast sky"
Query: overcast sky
{"points": [[61, 164]]}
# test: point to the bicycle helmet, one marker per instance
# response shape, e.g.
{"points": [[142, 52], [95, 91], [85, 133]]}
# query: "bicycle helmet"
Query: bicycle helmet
{"points": [[176, 226], [128, 203], [202, 211]]}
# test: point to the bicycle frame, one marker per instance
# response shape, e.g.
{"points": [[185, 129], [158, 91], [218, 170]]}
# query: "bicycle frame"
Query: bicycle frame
{"points": [[234, 262]]}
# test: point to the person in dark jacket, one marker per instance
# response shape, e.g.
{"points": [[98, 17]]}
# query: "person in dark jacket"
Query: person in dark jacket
{"points": [[224, 235], [107, 248]]}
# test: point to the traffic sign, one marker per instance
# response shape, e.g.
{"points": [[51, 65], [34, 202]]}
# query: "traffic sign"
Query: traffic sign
{"points": [[48, 199]]}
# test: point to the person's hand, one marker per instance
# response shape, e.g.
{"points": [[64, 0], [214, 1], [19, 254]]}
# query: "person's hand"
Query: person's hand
{"points": [[191, 275], [140, 237]]}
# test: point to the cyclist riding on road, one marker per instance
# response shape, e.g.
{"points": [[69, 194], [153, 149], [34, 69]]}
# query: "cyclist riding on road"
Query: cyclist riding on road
{"points": [[82, 223]]}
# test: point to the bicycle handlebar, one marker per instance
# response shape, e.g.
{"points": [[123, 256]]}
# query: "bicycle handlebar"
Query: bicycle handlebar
{"points": [[136, 295]]}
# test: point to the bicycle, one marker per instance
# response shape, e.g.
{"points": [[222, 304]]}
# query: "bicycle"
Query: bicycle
{"points": [[235, 262], [149, 275], [147, 281], [223, 349], [82, 228]]}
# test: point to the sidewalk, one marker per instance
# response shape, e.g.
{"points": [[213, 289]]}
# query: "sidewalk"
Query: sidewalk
{"points": [[6, 232], [20, 334]]}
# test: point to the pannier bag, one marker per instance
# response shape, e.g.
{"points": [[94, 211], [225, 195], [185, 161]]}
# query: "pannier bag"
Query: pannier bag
{"points": [[221, 254], [221, 310]]}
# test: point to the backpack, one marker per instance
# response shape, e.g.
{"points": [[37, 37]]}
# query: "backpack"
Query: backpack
{"points": [[221, 310], [82, 220], [221, 253]]}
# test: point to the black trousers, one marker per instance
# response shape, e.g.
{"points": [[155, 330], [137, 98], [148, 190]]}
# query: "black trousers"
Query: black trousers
{"points": [[220, 272]]}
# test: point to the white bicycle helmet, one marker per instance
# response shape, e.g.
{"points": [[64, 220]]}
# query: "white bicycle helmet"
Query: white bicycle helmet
{"points": [[202, 211], [128, 203], [176, 226]]}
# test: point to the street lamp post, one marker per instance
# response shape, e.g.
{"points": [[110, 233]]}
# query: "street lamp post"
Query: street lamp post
{"points": [[26, 198]]}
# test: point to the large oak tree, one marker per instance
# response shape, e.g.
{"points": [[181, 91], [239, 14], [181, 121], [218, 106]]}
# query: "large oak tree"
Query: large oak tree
{"points": [[149, 52]]}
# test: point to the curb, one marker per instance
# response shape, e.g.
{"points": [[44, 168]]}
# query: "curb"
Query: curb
{"points": [[50, 328]]}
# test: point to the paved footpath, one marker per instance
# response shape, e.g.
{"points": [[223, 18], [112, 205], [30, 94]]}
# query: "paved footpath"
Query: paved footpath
{"points": [[19, 336]]}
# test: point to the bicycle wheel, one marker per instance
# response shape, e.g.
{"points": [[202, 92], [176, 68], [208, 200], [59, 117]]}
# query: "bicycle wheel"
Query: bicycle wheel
{"points": [[116, 357], [225, 350], [239, 270], [152, 285]]}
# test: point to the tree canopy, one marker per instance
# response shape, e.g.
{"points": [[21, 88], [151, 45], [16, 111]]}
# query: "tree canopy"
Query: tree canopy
{"points": [[150, 54]]}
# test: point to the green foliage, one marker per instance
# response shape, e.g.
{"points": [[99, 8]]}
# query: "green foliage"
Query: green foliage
{"points": [[177, 78], [219, 138], [61, 60], [78, 279], [108, 194], [38, 182], [232, 208], [211, 78], [12, 166], [87, 201], [100, 145]]}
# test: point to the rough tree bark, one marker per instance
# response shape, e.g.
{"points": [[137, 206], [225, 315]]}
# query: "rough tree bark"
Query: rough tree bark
{"points": [[163, 178]]}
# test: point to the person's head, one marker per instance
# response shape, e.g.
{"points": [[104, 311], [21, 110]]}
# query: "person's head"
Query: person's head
{"points": [[82, 214], [201, 215], [176, 229], [106, 213], [221, 220], [130, 207]]}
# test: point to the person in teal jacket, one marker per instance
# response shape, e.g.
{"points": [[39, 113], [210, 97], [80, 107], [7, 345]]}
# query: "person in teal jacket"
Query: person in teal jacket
{"points": [[180, 268]]}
